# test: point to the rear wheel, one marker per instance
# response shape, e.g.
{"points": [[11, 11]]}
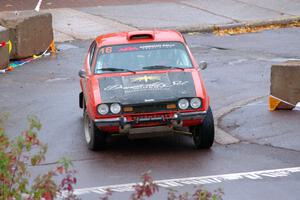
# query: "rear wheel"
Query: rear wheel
{"points": [[204, 134], [94, 138]]}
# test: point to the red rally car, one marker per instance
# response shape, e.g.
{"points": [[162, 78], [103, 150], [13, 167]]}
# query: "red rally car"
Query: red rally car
{"points": [[144, 84]]}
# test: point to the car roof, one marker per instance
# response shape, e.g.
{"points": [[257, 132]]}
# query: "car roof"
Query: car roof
{"points": [[141, 36]]}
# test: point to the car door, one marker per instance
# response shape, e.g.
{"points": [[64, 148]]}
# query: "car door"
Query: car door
{"points": [[87, 87]]}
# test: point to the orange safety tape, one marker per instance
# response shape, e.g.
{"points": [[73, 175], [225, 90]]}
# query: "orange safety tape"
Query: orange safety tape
{"points": [[274, 103], [52, 47]]}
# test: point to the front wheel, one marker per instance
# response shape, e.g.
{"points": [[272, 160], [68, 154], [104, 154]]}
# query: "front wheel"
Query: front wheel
{"points": [[94, 138], [204, 134]]}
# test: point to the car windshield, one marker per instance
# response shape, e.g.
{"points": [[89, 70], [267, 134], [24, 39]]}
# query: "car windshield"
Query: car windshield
{"points": [[142, 56]]}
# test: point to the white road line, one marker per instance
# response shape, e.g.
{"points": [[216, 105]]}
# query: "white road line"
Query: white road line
{"points": [[201, 180], [38, 6]]}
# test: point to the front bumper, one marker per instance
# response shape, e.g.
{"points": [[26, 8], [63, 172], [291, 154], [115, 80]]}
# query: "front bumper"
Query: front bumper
{"points": [[177, 119]]}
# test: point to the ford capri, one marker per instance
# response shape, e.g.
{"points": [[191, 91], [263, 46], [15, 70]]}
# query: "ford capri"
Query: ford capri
{"points": [[144, 84]]}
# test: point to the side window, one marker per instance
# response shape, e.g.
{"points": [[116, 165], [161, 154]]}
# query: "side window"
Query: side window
{"points": [[92, 52]]}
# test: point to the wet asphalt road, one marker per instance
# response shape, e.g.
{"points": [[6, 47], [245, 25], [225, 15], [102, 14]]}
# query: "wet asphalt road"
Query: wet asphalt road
{"points": [[239, 69]]}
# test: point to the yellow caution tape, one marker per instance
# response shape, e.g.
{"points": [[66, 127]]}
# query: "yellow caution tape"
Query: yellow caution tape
{"points": [[36, 56], [9, 46]]}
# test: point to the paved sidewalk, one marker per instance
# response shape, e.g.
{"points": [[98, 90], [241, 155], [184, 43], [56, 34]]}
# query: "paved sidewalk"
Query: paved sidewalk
{"points": [[87, 22], [186, 15]]}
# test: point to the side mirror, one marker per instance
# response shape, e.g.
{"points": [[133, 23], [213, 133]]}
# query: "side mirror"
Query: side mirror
{"points": [[82, 73], [203, 65]]}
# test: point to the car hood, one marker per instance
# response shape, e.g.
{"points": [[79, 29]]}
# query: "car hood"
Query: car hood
{"points": [[145, 88]]}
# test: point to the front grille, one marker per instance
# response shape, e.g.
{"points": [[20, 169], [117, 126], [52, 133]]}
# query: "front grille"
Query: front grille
{"points": [[149, 108]]}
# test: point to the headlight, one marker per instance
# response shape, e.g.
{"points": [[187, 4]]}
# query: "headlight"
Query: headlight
{"points": [[103, 109], [183, 104], [195, 103], [115, 108]]}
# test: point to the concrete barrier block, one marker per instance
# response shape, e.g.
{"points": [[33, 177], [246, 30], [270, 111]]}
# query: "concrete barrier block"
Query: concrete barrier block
{"points": [[4, 54], [285, 84], [30, 32]]}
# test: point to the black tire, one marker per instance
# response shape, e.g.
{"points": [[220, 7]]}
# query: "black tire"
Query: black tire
{"points": [[204, 134], [81, 103], [94, 138], [83, 107]]}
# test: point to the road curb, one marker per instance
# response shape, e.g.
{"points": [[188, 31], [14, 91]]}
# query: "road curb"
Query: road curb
{"points": [[223, 137], [250, 24]]}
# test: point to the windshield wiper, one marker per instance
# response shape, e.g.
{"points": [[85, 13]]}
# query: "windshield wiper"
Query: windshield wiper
{"points": [[162, 67], [116, 69]]}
